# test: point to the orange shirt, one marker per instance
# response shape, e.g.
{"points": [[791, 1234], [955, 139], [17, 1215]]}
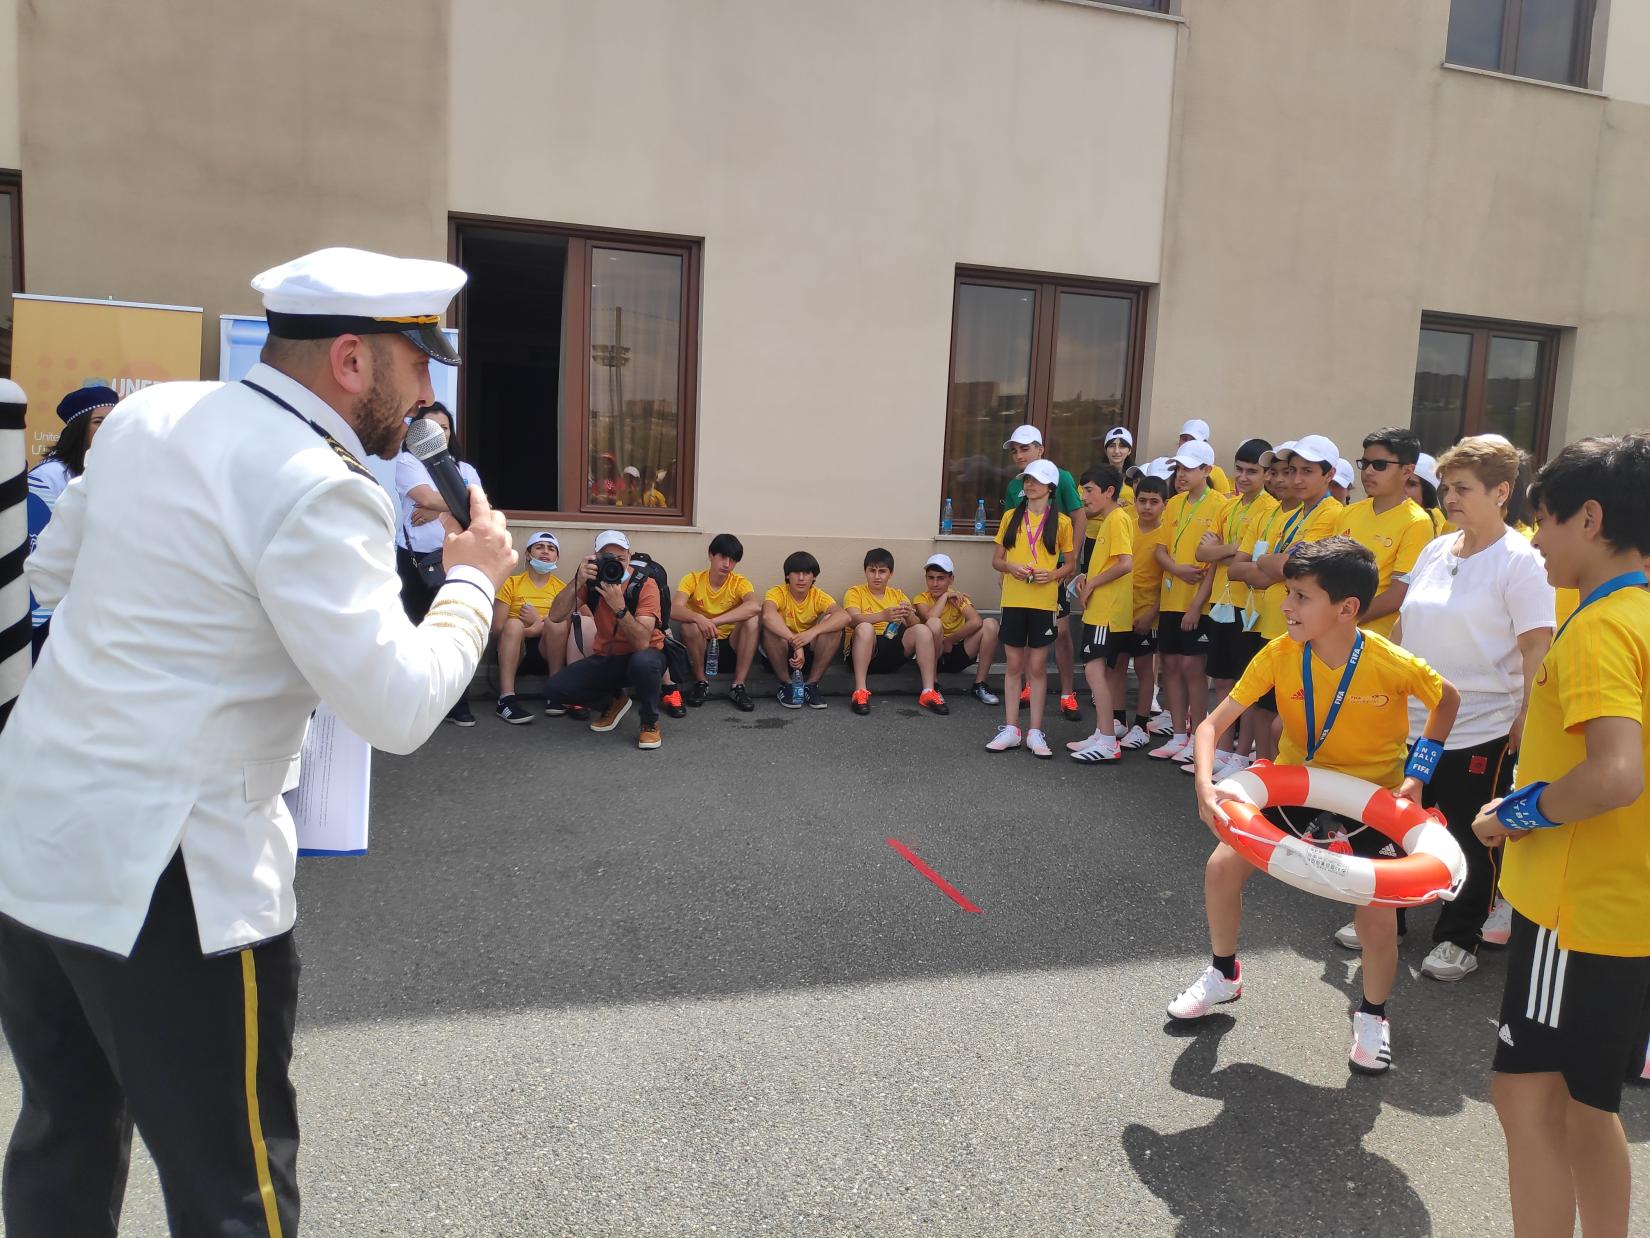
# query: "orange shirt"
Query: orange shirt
{"points": [[610, 642]]}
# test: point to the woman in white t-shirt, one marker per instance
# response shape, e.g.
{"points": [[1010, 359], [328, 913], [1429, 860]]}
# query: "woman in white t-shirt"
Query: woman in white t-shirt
{"points": [[1480, 611]]}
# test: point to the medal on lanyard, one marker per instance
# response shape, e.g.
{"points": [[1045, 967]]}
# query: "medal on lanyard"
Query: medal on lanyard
{"points": [[1314, 737], [1038, 535], [1627, 580]]}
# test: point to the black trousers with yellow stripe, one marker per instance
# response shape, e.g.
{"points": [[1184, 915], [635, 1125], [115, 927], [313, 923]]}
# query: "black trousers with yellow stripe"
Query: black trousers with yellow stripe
{"points": [[194, 1050]]}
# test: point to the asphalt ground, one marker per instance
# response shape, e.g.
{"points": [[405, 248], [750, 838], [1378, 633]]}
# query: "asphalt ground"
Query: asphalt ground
{"points": [[582, 989]]}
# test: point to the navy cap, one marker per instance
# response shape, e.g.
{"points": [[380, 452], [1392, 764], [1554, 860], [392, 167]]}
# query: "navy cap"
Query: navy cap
{"points": [[83, 400]]}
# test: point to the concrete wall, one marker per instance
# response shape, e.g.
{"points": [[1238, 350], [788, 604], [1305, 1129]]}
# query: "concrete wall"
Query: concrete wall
{"points": [[839, 160], [1331, 181], [172, 160], [11, 129]]}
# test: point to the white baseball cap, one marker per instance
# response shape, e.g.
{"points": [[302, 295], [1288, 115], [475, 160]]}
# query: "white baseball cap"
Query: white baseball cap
{"points": [[611, 537], [1280, 452], [1118, 432], [1025, 435], [1426, 468], [1313, 447], [1162, 467], [1343, 473], [943, 562], [1196, 428], [630, 470], [544, 539], [1195, 454], [1043, 471]]}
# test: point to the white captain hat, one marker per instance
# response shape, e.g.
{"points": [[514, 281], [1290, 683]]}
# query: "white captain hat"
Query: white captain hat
{"points": [[356, 292]]}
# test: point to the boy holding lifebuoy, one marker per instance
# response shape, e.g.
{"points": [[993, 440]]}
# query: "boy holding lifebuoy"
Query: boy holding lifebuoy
{"points": [[1343, 696]]}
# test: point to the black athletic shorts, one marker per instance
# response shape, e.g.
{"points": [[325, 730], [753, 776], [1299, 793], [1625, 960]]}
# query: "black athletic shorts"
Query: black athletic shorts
{"points": [[887, 654], [1065, 600], [955, 659], [1225, 649], [1369, 843], [1099, 642], [1131, 644], [1025, 628], [1578, 1015], [1171, 640]]}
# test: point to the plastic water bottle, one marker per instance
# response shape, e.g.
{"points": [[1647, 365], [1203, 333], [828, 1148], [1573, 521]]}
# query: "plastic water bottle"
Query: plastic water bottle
{"points": [[796, 686], [979, 518], [945, 519], [713, 658], [894, 628]]}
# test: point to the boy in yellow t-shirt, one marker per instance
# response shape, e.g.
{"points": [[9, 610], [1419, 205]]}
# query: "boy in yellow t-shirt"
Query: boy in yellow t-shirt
{"points": [[1342, 696], [521, 613], [1183, 627], [1151, 494], [799, 626], [1577, 865], [718, 604], [962, 636], [1394, 529], [1106, 593], [1034, 555], [884, 633]]}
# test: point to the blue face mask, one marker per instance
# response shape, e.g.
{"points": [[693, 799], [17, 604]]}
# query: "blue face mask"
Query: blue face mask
{"points": [[541, 567]]}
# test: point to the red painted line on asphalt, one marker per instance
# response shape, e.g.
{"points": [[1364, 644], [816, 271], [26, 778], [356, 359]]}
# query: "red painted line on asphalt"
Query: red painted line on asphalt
{"points": [[950, 891]]}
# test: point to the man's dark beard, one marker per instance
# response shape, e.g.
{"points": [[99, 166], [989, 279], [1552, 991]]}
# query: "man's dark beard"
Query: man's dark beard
{"points": [[380, 420]]}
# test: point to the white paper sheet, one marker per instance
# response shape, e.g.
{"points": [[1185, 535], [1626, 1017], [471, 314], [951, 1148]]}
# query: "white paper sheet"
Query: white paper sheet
{"points": [[330, 802]]}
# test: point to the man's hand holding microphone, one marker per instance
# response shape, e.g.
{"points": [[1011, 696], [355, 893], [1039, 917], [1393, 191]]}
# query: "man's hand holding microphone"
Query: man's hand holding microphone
{"points": [[485, 545]]}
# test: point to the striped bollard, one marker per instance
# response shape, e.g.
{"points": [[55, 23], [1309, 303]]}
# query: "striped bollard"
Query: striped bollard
{"points": [[15, 631]]}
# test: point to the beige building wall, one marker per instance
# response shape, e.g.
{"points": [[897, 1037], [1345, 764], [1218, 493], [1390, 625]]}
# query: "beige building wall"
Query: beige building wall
{"points": [[170, 161], [1331, 181], [839, 160], [11, 129]]}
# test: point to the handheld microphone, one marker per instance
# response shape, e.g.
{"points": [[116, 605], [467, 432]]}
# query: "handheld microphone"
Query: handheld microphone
{"points": [[428, 444]]}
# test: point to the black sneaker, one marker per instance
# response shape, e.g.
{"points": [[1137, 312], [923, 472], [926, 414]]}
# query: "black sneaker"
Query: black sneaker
{"points": [[740, 699], [578, 713], [512, 712], [672, 702], [812, 697], [460, 715], [698, 692], [554, 711]]}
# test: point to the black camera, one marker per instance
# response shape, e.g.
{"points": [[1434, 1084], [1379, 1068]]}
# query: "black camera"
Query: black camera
{"points": [[609, 569]]}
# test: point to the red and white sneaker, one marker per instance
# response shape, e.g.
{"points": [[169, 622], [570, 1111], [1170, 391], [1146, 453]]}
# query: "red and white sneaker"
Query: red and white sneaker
{"points": [[1179, 746], [1007, 737], [1209, 990], [1371, 1052], [1069, 709], [1498, 928]]}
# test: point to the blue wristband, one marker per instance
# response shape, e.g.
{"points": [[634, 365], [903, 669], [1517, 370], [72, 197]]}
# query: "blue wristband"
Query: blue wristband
{"points": [[1522, 810], [1423, 760]]}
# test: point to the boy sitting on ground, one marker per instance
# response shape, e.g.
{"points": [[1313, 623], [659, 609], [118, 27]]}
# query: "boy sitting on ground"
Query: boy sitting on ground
{"points": [[799, 623], [884, 633], [718, 604], [961, 635], [521, 614]]}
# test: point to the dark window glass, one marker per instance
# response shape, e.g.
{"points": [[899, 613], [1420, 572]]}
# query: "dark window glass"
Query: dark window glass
{"points": [[1441, 388], [11, 262], [1547, 34], [1544, 39], [1512, 389], [1477, 377], [635, 376], [990, 390], [1091, 367], [1475, 33]]}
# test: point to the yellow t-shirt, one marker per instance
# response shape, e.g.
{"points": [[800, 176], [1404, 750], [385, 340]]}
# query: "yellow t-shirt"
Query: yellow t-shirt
{"points": [[1111, 605], [711, 602], [1589, 879], [861, 598], [1292, 527], [952, 617], [1565, 603], [1148, 576], [1219, 482], [1396, 538], [1125, 497], [800, 616], [1187, 523], [1370, 739], [1240, 518], [525, 587], [1029, 550]]}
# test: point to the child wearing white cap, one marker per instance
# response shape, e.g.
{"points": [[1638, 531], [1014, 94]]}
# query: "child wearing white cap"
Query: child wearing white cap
{"points": [[1117, 449], [1421, 486], [961, 635], [1196, 430], [1035, 556], [521, 614], [1026, 445]]}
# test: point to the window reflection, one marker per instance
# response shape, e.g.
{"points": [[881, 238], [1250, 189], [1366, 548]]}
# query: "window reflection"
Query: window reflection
{"points": [[1091, 355], [990, 384], [1440, 398], [1511, 389], [635, 378]]}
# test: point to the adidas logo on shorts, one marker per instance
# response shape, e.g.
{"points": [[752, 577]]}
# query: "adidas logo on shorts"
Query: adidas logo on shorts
{"points": [[1388, 850], [1505, 1037]]}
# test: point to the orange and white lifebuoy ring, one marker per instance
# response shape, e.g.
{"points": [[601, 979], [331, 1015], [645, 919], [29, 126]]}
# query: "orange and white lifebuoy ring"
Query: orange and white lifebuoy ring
{"points": [[1433, 868]]}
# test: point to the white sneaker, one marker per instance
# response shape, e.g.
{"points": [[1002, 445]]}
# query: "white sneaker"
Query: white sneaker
{"points": [[1177, 745], [1135, 739], [1347, 937], [1097, 751], [1160, 724], [1038, 743], [1371, 1044], [1209, 990], [1117, 729], [1498, 928], [1007, 737], [1646, 1074], [1448, 962], [1228, 764]]}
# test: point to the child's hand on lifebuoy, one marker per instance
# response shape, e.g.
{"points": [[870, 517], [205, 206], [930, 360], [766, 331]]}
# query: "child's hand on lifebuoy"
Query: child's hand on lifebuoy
{"points": [[1209, 799]]}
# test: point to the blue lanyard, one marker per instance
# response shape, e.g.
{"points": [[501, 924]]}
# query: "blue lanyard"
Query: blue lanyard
{"points": [[1298, 525], [1315, 738], [1627, 580]]}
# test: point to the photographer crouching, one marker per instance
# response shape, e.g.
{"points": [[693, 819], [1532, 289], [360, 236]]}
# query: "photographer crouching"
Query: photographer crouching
{"points": [[627, 660]]}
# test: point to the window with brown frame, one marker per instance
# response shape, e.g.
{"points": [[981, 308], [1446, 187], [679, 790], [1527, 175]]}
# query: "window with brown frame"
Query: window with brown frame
{"points": [[1062, 353], [580, 368], [11, 258], [1474, 376], [1550, 40]]}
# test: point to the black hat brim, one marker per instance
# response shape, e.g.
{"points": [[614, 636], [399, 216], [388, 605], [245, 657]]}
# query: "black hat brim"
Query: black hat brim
{"points": [[432, 340]]}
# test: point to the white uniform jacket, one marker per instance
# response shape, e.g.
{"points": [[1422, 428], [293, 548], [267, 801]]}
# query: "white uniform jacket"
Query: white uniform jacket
{"points": [[217, 569]]}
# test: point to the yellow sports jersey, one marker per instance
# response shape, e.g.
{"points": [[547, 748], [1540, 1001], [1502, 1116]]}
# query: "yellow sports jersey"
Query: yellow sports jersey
{"points": [[1187, 522], [800, 616], [1243, 517], [1148, 576], [1396, 538], [1125, 497], [1111, 605], [1565, 604], [1589, 879], [861, 598], [530, 588], [711, 602], [655, 498], [1370, 738], [1293, 526], [1030, 550], [1440, 526], [952, 617], [1219, 482]]}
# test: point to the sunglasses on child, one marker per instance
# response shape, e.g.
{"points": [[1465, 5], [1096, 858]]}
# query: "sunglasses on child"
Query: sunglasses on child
{"points": [[1380, 466]]}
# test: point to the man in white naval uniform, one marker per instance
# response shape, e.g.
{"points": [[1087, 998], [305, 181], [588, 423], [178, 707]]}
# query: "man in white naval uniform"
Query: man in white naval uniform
{"points": [[224, 562]]}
